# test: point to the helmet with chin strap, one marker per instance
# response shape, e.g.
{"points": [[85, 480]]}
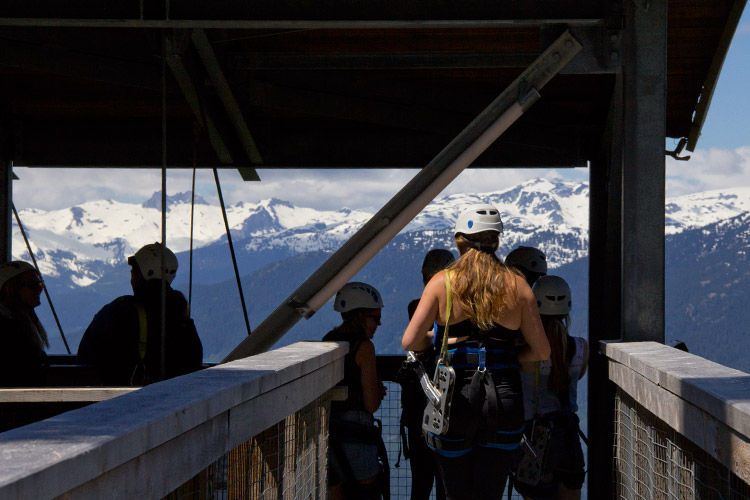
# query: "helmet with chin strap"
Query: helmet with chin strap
{"points": [[528, 258], [148, 260], [477, 219], [553, 296], [356, 295], [11, 269]]}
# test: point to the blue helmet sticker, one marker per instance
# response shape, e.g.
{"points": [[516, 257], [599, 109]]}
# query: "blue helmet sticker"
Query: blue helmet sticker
{"points": [[470, 224]]}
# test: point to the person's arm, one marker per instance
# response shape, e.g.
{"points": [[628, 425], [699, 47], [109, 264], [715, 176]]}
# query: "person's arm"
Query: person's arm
{"points": [[365, 359], [415, 337], [537, 347], [585, 359]]}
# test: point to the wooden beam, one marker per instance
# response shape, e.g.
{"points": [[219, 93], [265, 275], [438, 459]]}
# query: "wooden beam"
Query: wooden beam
{"points": [[269, 14], [709, 84], [644, 111], [495, 119], [220, 83]]}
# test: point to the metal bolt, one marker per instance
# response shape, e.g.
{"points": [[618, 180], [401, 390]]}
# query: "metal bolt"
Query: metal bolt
{"points": [[556, 56], [614, 37], [614, 55], [568, 44], [386, 221]]}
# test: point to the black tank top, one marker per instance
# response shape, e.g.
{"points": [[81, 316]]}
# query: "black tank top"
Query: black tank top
{"points": [[499, 343], [352, 376]]}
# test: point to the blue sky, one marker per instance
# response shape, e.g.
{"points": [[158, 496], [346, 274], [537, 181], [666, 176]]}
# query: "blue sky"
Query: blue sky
{"points": [[721, 160]]}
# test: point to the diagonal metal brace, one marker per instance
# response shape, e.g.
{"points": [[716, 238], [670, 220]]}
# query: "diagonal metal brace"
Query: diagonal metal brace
{"points": [[412, 198]]}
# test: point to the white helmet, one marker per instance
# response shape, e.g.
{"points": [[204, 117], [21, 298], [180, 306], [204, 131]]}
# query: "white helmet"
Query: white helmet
{"points": [[552, 296], [477, 219], [355, 295], [148, 259], [11, 269], [436, 260], [528, 258]]}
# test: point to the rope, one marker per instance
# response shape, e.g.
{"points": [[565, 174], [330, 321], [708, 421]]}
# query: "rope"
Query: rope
{"points": [[46, 293], [231, 250]]}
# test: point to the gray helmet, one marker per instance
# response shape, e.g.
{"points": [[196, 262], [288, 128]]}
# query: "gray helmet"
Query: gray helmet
{"points": [[552, 296], [528, 258], [436, 260], [355, 295], [477, 219], [148, 259], [11, 269]]}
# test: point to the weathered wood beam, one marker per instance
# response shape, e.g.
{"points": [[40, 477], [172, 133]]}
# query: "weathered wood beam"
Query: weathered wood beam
{"points": [[184, 68], [180, 427], [413, 197], [220, 83], [269, 14], [643, 195]]}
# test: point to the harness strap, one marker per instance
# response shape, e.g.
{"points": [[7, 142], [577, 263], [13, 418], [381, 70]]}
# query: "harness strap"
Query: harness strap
{"points": [[142, 331], [448, 305]]}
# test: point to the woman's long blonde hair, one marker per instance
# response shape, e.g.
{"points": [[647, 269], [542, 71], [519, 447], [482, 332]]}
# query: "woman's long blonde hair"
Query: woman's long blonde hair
{"points": [[482, 285]]}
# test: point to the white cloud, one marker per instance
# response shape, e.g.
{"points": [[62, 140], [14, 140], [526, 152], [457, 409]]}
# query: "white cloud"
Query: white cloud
{"points": [[322, 189], [709, 169], [49, 188]]}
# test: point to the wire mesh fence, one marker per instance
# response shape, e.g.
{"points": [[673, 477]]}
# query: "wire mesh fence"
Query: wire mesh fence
{"points": [[654, 462], [286, 461]]}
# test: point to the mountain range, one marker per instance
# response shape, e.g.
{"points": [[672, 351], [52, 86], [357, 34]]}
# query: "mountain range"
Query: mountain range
{"points": [[82, 250]]}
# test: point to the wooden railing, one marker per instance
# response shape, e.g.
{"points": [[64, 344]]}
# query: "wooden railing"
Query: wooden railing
{"points": [[150, 442], [682, 424]]}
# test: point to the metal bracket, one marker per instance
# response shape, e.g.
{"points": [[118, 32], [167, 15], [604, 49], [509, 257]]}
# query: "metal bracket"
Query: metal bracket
{"points": [[675, 154]]}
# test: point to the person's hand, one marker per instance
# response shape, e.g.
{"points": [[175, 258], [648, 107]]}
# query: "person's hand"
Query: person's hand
{"points": [[381, 391]]}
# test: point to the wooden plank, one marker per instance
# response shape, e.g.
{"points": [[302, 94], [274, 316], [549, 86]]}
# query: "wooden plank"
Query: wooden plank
{"points": [[65, 394], [51, 457]]}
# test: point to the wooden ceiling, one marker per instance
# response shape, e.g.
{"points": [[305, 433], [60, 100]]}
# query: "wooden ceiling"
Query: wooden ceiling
{"points": [[321, 84]]}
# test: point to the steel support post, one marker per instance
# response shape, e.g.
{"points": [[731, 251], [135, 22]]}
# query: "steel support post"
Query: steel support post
{"points": [[643, 177], [6, 201], [408, 202], [605, 269]]}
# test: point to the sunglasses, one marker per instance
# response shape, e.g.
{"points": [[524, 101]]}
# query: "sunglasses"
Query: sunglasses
{"points": [[33, 284]]}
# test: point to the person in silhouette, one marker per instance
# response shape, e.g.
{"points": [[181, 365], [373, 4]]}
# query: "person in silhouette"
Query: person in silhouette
{"points": [[24, 339], [490, 306], [123, 340], [354, 439], [550, 391], [530, 261], [413, 401]]}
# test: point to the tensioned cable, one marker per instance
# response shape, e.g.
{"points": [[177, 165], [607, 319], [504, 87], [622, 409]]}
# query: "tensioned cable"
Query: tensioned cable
{"points": [[36, 266], [163, 371], [231, 250], [226, 223], [192, 212]]}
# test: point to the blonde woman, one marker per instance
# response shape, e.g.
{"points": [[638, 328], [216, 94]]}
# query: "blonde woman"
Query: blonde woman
{"points": [[491, 308]]}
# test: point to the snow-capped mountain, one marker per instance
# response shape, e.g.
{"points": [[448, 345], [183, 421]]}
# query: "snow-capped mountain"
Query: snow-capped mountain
{"points": [[701, 209], [80, 244]]}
